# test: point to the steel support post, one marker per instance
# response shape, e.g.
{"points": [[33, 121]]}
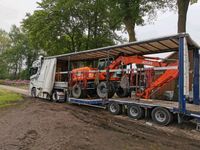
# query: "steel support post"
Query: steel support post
{"points": [[196, 77], [181, 97]]}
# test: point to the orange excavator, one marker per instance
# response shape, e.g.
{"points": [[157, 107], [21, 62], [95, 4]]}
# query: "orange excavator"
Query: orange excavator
{"points": [[92, 81]]}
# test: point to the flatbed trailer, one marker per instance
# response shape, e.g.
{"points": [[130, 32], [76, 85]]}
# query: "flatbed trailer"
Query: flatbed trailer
{"points": [[162, 112]]}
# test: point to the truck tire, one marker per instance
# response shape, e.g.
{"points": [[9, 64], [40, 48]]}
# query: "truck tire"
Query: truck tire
{"points": [[161, 116], [54, 97], [33, 92], [121, 92], [103, 91], [135, 112], [77, 91], [114, 108]]}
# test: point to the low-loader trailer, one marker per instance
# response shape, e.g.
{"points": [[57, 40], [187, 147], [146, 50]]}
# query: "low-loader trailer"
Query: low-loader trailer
{"points": [[67, 78]]}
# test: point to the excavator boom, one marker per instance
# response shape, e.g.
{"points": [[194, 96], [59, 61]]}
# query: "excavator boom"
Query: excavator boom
{"points": [[162, 80], [126, 60]]}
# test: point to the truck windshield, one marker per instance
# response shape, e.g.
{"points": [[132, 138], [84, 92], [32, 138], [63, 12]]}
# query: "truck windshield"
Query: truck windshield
{"points": [[33, 71]]}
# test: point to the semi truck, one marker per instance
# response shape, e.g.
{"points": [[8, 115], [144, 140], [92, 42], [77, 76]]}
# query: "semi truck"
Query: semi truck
{"points": [[74, 78]]}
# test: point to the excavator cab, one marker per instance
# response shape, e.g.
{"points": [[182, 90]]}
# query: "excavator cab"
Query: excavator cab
{"points": [[104, 62]]}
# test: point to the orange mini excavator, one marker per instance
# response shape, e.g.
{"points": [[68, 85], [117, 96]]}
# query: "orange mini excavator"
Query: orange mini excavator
{"points": [[92, 81]]}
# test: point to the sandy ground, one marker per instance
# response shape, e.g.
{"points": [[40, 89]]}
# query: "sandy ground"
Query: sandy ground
{"points": [[15, 89], [40, 125]]}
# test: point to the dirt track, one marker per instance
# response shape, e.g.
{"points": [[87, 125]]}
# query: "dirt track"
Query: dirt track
{"points": [[40, 125], [15, 89]]}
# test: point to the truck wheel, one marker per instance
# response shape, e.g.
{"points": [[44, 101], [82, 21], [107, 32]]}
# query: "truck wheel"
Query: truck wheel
{"points": [[103, 91], [77, 92], [135, 112], [121, 92], [161, 116], [114, 108], [33, 92], [55, 96]]}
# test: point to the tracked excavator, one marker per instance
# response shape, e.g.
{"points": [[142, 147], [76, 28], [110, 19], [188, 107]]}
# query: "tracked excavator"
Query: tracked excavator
{"points": [[112, 77]]}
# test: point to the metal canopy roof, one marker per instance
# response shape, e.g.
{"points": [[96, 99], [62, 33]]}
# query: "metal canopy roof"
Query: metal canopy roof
{"points": [[152, 46]]}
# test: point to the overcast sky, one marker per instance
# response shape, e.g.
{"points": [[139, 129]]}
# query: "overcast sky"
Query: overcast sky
{"points": [[13, 11]]}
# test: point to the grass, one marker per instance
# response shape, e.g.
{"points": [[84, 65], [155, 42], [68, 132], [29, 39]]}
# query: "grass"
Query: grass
{"points": [[7, 98]]}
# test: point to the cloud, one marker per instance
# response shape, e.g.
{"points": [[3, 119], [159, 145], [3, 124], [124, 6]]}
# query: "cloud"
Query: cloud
{"points": [[13, 11], [166, 24]]}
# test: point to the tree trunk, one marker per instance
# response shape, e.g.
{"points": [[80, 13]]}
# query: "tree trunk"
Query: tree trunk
{"points": [[182, 14], [130, 27]]}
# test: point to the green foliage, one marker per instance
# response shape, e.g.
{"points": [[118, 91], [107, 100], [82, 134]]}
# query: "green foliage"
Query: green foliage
{"points": [[4, 44], [3, 68], [193, 1], [17, 56], [4, 41], [70, 25]]}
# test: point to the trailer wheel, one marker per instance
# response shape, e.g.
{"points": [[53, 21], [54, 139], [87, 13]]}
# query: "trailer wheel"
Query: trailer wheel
{"points": [[114, 108], [135, 112], [161, 116], [77, 92], [103, 90], [121, 92], [33, 92]]}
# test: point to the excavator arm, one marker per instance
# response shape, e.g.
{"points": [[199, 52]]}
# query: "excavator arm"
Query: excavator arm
{"points": [[126, 60], [162, 80]]}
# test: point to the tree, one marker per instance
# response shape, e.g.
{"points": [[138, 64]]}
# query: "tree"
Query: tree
{"points": [[182, 13], [4, 41], [132, 12], [4, 44], [18, 56], [69, 25]]}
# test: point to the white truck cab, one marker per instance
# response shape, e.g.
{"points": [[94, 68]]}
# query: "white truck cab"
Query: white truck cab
{"points": [[42, 80]]}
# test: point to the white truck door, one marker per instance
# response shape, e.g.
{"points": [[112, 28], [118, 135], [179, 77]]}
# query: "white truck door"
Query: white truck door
{"points": [[46, 78]]}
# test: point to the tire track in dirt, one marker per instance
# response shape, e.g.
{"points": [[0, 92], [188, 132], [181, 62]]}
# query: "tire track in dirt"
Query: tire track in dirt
{"points": [[77, 127], [145, 133]]}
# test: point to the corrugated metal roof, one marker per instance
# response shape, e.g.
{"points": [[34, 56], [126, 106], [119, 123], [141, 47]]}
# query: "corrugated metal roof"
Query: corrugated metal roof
{"points": [[151, 46]]}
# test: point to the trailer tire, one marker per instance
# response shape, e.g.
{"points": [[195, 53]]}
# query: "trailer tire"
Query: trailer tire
{"points": [[121, 92], [135, 112], [77, 91], [161, 116], [114, 108], [33, 92], [102, 92]]}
